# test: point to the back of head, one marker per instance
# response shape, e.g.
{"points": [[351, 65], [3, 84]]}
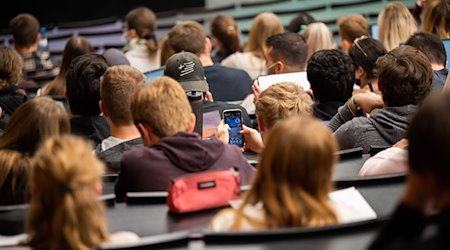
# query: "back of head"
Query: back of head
{"points": [[352, 26], [331, 74], [264, 25], [395, 25], [289, 47], [224, 28], [10, 66], [143, 20], [298, 24], [162, 105], [364, 53], [318, 36], [430, 45], [404, 76], [115, 57], [75, 46], [118, 85], [294, 176], [65, 212], [15, 172], [429, 139], [188, 36], [25, 29], [436, 18], [33, 122], [281, 101], [83, 84]]}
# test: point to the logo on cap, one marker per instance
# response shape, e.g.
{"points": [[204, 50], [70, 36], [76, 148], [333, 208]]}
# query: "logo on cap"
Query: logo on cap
{"points": [[186, 68]]}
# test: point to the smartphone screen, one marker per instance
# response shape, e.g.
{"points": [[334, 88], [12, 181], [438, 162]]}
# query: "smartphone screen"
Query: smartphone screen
{"points": [[210, 122], [233, 118]]}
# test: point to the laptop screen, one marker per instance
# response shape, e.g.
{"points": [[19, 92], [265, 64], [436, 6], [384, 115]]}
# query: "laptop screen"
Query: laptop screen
{"points": [[447, 50], [150, 75]]}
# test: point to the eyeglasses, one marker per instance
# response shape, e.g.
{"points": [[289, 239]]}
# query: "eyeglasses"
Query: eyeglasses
{"points": [[356, 43]]}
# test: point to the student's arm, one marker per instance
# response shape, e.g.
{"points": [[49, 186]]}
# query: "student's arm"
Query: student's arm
{"points": [[390, 160]]}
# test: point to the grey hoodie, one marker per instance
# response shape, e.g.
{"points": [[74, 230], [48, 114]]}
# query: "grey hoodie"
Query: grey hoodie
{"points": [[384, 127]]}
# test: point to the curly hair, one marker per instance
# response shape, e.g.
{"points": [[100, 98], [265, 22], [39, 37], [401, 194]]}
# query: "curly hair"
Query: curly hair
{"points": [[331, 74]]}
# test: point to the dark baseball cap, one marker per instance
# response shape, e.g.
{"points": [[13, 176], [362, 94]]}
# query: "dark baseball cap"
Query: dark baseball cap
{"points": [[186, 68]]}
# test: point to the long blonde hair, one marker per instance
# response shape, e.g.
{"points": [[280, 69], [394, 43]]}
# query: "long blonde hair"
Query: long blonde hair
{"points": [[396, 24], [264, 25], [318, 36], [436, 18], [294, 177], [65, 212]]}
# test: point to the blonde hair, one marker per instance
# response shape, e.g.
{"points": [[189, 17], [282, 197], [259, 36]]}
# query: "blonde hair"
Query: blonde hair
{"points": [[395, 25], [436, 18], [294, 177], [281, 101], [33, 122], [117, 87], [14, 177], [10, 67], [264, 25], [65, 212], [163, 105], [318, 36]]}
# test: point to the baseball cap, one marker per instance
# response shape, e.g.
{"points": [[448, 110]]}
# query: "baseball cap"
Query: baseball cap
{"points": [[115, 57], [186, 68]]}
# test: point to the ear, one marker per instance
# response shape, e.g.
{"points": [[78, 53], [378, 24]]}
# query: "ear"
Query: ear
{"points": [[131, 33], [145, 133], [191, 123], [359, 72], [208, 45], [280, 67], [102, 108]]}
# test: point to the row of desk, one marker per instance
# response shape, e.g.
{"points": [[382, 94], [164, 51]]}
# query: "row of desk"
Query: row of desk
{"points": [[162, 229]]}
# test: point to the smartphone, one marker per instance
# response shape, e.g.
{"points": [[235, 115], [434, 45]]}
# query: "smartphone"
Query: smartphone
{"points": [[233, 117]]}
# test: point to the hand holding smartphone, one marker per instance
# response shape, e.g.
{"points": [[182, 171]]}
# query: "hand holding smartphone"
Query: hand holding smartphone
{"points": [[233, 117]]}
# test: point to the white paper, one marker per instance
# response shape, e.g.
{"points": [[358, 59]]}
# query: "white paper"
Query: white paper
{"points": [[351, 206], [298, 78], [12, 240]]}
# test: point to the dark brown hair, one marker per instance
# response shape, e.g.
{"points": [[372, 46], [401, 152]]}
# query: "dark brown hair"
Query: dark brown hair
{"points": [[225, 29], [404, 75], [24, 28]]}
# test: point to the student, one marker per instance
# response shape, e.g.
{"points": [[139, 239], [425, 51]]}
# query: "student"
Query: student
{"points": [[65, 211], [395, 25], [350, 27], [292, 183], [162, 113], [434, 49], [83, 95], [225, 37], [38, 67], [364, 53], [331, 74], [225, 83], [142, 48], [75, 46], [318, 36], [33, 122], [276, 103], [404, 77], [427, 186], [251, 60], [117, 86]]}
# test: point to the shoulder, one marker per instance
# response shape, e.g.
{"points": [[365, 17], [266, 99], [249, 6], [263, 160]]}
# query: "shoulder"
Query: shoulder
{"points": [[223, 220]]}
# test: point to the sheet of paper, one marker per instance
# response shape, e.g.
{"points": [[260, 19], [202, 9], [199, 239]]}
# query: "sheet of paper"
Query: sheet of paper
{"points": [[298, 78], [351, 206], [12, 240]]}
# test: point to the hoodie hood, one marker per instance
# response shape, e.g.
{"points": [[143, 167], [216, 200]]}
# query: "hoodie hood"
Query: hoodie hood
{"points": [[392, 122], [190, 152]]}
